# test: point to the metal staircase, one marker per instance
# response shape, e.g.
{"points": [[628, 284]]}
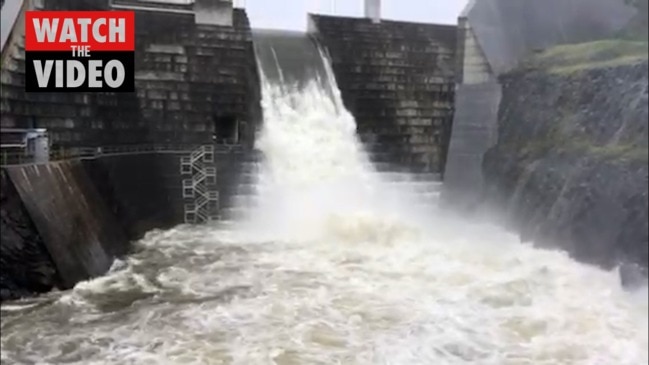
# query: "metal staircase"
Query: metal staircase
{"points": [[199, 189]]}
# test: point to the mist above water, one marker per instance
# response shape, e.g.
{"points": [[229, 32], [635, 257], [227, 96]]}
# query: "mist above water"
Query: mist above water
{"points": [[337, 264]]}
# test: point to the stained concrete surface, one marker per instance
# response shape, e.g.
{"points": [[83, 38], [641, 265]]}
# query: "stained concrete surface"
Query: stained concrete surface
{"points": [[80, 234]]}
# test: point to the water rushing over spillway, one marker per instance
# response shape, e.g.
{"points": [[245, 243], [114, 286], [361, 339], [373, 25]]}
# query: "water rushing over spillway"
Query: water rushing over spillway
{"points": [[336, 264]]}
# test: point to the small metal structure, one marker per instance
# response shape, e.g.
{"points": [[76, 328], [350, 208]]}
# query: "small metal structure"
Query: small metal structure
{"points": [[213, 12], [373, 10], [38, 145], [24, 146], [199, 188]]}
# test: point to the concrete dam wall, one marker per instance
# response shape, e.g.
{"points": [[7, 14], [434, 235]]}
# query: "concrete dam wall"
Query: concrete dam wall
{"points": [[81, 236], [189, 77], [143, 191], [196, 84], [65, 222], [397, 80], [27, 267]]}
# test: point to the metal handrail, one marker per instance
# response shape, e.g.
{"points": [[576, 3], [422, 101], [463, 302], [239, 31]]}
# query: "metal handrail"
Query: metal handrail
{"points": [[65, 153], [58, 154], [13, 145]]}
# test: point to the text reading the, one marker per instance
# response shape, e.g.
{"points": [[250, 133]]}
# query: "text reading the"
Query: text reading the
{"points": [[68, 51]]}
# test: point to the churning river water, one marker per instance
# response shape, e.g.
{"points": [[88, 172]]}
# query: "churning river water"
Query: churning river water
{"points": [[335, 264]]}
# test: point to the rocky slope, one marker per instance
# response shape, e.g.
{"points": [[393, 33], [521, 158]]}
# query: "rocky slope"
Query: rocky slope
{"points": [[570, 166], [25, 266]]}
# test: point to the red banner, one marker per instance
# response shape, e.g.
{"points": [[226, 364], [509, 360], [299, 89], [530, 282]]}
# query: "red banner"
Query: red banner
{"points": [[68, 30]]}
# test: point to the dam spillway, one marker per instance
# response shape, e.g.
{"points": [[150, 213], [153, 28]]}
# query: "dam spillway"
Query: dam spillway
{"points": [[345, 271], [291, 59]]}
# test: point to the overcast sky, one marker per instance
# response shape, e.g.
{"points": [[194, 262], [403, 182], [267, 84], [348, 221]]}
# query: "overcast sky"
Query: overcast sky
{"points": [[291, 14]]}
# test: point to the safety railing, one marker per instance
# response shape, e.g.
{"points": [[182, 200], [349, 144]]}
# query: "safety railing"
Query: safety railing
{"points": [[17, 156], [10, 157], [134, 149], [13, 156]]}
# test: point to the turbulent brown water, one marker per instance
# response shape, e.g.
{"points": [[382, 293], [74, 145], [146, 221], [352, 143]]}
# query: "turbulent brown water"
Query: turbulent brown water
{"points": [[335, 264]]}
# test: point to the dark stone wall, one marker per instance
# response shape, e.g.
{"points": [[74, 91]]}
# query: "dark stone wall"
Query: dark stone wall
{"points": [[26, 267], [188, 78], [190, 75], [229, 168], [143, 191], [397, 79], [570, 166], [187, 75], [79, 232]]}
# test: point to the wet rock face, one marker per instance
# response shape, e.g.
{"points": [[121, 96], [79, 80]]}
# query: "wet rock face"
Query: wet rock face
{"points": [[25, 266], [570, 166]]}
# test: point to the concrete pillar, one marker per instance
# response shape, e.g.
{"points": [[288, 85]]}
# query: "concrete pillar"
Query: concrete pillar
{"points": [[213, 12], [373, 10]]}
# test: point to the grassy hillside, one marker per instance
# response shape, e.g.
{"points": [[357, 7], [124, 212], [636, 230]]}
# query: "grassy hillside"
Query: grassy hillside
{"points": [[569, 58]]}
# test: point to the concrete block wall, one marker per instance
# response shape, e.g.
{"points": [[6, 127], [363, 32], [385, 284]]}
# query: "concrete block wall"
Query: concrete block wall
{"points": [[397, 79], [144, 191], [186, 76]]}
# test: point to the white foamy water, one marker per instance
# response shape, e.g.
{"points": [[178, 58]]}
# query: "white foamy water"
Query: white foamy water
{"points": [[333, 267]]}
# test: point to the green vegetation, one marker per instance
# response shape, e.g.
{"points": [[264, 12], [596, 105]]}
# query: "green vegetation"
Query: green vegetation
{"points": [[620, 152], [630, 47], [570, 58], [557, 141]]}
